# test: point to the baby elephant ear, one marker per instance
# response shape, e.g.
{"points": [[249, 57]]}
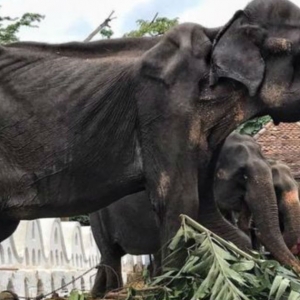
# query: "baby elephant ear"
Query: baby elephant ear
{"points": [[179, 51], [236, 54]]}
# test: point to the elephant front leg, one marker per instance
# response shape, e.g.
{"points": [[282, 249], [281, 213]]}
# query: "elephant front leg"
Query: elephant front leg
{"points": [[99, 287], [181, 198], [173, 191], [109, 274]]}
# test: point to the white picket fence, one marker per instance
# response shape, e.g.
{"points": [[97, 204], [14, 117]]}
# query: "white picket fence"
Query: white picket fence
{"points": [[45, 254]]}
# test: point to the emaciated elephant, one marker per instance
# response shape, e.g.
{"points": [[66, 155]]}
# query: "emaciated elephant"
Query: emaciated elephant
{"points": [[128, 226], [79, 131]]}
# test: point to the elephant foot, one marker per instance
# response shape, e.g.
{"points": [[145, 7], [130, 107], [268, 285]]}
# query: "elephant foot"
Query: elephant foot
{"points": [[7, 228], [99, 288]]}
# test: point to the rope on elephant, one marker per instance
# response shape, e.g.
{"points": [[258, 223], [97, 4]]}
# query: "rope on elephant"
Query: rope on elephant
{"points": [[42, 296]]}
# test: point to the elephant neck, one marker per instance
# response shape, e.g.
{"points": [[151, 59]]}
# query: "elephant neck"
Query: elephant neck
{"points": [[224, 116]]}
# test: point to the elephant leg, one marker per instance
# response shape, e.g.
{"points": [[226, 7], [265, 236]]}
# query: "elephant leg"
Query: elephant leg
{"points": [[113, 273], [99, 288], [109, 275], [157, 270], [7, 228]]}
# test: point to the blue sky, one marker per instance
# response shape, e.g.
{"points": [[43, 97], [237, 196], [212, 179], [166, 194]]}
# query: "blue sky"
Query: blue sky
{"points": [[70, 20]]}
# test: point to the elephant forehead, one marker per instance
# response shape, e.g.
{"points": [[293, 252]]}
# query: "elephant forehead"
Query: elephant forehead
{"points": [[291, 197]]}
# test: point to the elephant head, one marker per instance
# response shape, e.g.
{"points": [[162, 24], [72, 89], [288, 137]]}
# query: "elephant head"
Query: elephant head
{"points": [[258, 51], [247, 183], [286, 189], [259, 48]]}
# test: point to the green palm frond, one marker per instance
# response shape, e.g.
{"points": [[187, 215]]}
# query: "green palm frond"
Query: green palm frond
{"points": [[215, 269]]}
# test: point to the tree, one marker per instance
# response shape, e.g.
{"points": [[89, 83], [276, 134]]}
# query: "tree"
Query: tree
{"points": [[106, 33], [157, 26], [9, 27]]}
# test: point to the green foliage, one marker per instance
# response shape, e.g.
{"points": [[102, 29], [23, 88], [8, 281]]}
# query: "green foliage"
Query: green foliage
{"points": [[152, 28], [82, 219], [9, 27], [218, 270], [78, 295], [253, 126], [106, 32]]}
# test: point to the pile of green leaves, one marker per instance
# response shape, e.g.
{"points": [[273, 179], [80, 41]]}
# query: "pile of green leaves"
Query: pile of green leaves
{"points": [[78, 295], [218, 270]]}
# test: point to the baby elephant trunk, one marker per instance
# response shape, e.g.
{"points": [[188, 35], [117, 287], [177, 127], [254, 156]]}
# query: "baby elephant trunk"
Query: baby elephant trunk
{"points": [[264, 208], [289, 208]]}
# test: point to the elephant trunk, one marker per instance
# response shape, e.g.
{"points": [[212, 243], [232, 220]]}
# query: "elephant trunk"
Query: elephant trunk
{"points": [[265, 215], [289, 208], [215, 222]]}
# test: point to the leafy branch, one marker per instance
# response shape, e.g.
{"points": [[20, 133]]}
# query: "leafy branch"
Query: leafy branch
{"points": [[157, 26], [8, 32], [218, 270]]}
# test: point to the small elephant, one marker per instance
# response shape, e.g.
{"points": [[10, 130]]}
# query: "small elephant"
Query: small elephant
{"points": [[126, 226], [129, 225], [240, 161]]}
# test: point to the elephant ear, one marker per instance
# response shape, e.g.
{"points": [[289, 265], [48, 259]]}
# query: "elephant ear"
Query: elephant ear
{"points": [[178, 52], [236, 53]]}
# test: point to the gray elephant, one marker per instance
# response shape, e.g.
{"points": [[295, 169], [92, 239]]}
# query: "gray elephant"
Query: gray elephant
{"points": [[82, 129], [239, 163], [129, 226], [126, 226]]}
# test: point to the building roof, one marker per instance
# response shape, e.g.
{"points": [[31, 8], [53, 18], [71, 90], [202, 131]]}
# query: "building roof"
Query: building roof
{"points": [[282, 143]]}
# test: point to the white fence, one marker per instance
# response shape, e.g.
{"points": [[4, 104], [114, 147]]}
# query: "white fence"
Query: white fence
{"points": [[44, 254]]}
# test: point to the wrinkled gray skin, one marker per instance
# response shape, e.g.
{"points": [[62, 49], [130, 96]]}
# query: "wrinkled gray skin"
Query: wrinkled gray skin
{"points": [[77, 134], [128, 226], [239, 163]]}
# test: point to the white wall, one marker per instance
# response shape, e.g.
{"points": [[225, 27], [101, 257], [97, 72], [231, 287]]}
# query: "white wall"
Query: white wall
{"points": [[44, 254]]}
